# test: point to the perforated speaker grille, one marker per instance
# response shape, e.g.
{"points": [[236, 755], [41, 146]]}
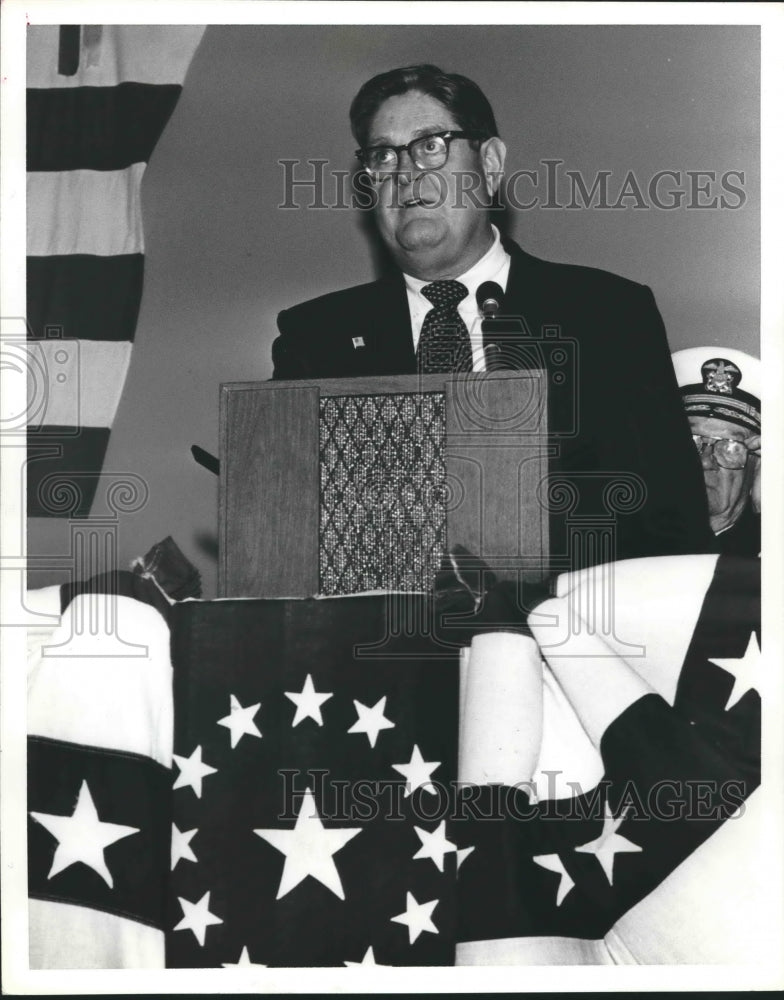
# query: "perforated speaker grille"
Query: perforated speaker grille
{"points": [[382, 492]]}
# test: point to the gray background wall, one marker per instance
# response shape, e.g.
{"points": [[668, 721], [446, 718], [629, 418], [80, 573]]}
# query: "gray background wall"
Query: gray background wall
{"points": [[223, 258]]}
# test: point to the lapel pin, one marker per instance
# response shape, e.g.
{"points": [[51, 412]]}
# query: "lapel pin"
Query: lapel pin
{"points": [[358, 341]]}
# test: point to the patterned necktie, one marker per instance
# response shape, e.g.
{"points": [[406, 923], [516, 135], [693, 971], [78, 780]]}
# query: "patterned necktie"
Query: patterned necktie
{"points": [[444, 344]]}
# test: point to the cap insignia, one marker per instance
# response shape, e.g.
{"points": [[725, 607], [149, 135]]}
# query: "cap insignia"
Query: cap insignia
{"points": [[720, 375]]}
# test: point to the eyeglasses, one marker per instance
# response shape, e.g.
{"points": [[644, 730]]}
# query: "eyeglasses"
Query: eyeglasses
{"points": [[727, 452], [427, 152]]}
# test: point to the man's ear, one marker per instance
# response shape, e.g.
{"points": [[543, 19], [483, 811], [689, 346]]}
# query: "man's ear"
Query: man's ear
{"points": [[753, 444], [493, 154]]}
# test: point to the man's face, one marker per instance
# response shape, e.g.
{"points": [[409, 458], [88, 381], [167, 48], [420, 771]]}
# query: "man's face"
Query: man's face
{"points": [[728, 489], [431, 229]]}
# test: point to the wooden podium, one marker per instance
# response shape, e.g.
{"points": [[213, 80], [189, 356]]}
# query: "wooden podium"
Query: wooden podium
{"points": [[317, 473]]}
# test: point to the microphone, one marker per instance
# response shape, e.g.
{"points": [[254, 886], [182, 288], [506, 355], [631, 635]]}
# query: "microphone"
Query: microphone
{"points": [[489, 297], [494, 358]]}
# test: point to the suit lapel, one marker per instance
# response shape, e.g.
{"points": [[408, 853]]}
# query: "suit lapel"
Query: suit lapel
{"points": [[524, 289], [391, 347]]}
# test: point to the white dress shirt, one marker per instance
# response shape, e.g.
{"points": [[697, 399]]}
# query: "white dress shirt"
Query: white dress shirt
{"points": [[494, 266]]}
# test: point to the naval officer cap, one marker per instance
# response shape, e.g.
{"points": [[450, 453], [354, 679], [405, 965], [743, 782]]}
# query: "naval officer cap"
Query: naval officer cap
{"points": [[720, 382]]}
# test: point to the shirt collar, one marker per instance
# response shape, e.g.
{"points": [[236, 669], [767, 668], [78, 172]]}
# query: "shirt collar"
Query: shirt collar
{"points": [[487, 268]]}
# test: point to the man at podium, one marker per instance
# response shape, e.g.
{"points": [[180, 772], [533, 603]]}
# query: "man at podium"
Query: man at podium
{"points": [[429, 142]]}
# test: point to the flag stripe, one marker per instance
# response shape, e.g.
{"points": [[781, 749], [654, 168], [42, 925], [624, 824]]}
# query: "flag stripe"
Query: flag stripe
{"points": [[536, 735], [108, 650], [127, 789], [85, 297], [650, 741], [67, 936], [728, 867], [63, 469], [85, 211], [566, 754], [654, 653], [124, 53], [583, 663], [96, 128], [84, 380], [504, 683], [734, 597], [545, 950]]}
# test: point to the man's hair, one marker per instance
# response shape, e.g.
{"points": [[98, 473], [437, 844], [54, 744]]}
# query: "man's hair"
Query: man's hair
{"points": [[460, 96]]}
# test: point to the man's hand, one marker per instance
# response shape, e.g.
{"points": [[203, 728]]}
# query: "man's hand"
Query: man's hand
{"points": [[469, 599]]}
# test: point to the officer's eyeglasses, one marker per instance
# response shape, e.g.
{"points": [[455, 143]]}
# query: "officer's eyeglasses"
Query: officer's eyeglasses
{"points": [[428, 152], [727, 452]]}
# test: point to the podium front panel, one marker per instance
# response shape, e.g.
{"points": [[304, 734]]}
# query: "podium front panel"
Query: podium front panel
{"points": [[343, 486]]}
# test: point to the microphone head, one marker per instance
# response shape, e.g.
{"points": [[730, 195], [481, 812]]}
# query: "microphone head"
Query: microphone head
{"points": [[489, 296]]}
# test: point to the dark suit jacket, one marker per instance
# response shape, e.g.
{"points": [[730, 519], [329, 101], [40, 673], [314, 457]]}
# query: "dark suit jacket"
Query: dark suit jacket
{"points": [[617, 411], [744, 538]]}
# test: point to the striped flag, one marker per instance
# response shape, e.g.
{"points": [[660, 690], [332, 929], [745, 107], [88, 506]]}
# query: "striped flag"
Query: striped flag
{"points": [[607, 808], [623, 762], [98, 99], [99, 764]]}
